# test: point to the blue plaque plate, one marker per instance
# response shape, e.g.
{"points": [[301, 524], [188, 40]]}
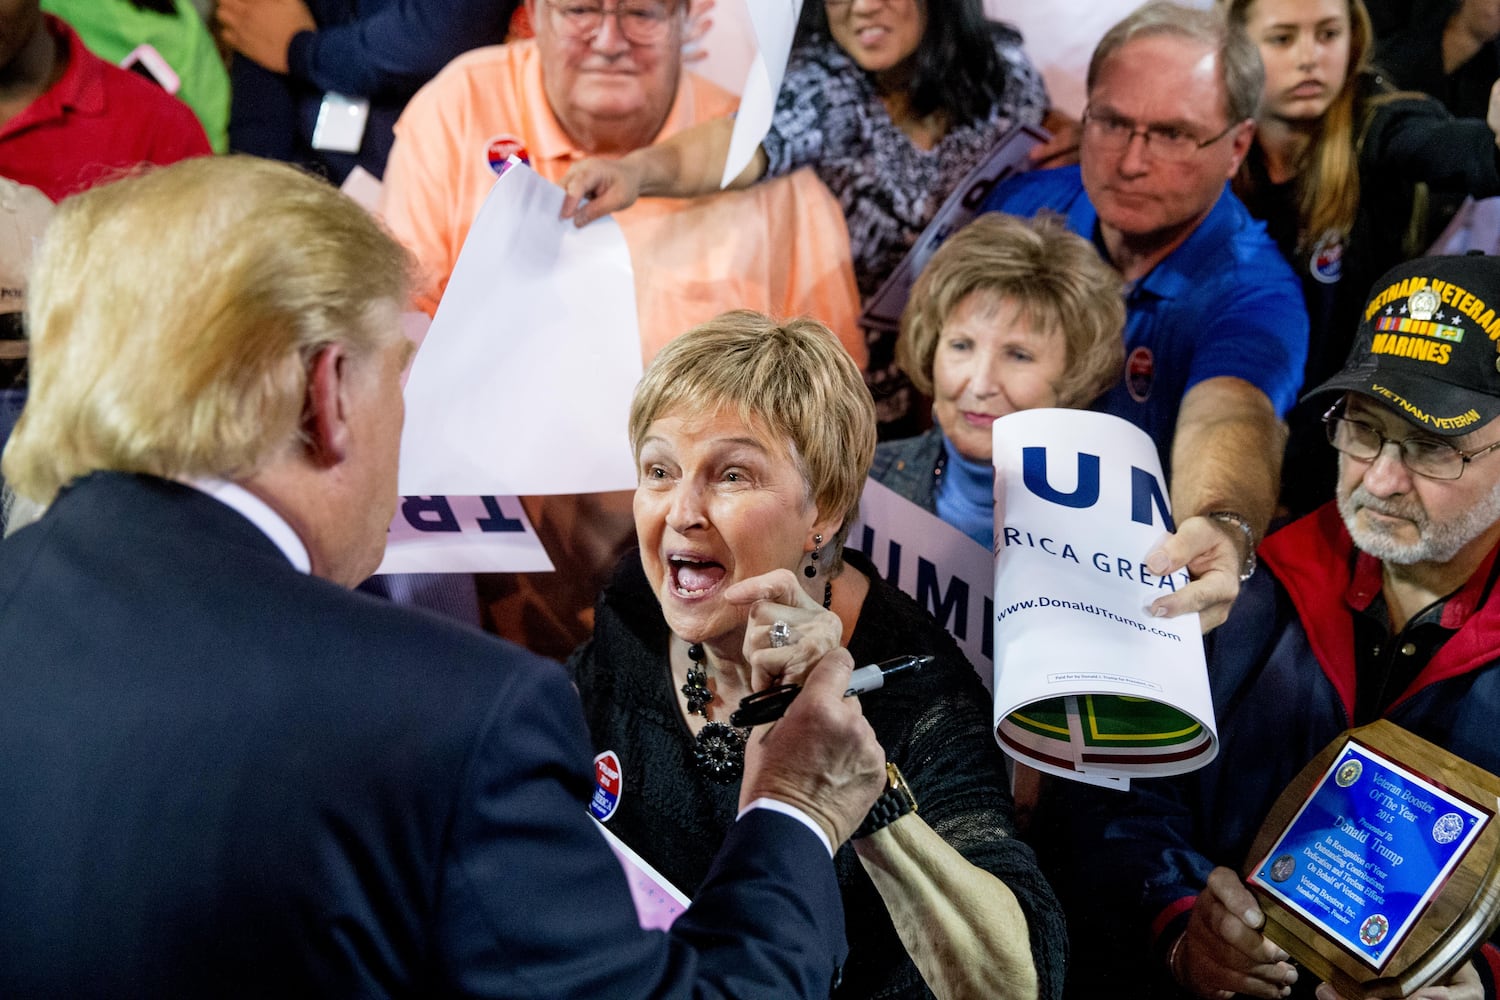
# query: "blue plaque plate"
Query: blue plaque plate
{"points": [[1367, 851]]}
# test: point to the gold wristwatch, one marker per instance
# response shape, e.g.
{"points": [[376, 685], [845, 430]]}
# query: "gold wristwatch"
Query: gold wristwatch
{"points": [[896, 801]]}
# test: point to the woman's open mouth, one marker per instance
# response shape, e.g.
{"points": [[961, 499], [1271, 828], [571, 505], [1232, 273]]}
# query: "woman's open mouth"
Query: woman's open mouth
{"points": [[694, 578]]}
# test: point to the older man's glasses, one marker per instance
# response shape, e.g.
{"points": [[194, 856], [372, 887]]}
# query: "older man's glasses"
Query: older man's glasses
{"points": [[1428, 457], [1113, 133], [642, 23]]}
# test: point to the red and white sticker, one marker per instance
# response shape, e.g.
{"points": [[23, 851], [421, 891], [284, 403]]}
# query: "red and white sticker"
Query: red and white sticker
{"points": [[499, 149], [608, 783]]}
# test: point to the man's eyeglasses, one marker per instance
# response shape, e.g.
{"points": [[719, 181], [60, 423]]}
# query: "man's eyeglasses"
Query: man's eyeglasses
{"points": [[1423, 456], [642, 22], [1168, 143]]}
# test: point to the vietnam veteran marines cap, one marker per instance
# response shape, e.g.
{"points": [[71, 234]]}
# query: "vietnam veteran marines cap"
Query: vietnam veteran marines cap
{"points": [[1428, 344]]}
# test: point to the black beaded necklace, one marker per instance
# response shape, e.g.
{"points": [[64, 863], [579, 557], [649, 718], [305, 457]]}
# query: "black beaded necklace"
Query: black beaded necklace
{"points": [[719, 749]]}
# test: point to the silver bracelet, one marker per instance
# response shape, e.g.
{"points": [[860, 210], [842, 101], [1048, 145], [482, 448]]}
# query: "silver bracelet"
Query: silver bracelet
{"points": [[1173, 965], [1247, 568]]}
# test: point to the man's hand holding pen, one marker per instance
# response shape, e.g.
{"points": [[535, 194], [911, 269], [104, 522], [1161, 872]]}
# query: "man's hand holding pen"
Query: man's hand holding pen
{"points": [[770, 704], [821, 757]]}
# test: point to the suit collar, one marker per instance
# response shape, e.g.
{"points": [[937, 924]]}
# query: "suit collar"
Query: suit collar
{"points": [[259, 513], [143, 505]]}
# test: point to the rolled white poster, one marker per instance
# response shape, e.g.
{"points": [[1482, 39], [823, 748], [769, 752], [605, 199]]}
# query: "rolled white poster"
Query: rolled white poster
{"points": [[1088, 685]]}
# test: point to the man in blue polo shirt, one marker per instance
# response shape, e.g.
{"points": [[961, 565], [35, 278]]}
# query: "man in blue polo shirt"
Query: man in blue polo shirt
{"points": [[1216, 333]]}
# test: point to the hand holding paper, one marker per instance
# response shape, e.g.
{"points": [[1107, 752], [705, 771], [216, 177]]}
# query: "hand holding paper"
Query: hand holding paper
{"points": [[596, 187], [523, 384], [1209, 555]]}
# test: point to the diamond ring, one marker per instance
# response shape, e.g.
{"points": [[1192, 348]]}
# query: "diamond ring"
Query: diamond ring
{"points": [[781, 634]]}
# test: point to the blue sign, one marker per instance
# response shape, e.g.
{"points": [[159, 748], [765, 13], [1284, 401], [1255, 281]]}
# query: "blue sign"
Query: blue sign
{"points": [[1367, 852]]}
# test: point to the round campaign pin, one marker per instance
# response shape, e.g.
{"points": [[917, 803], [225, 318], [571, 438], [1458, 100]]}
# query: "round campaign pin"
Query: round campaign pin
{"points": [[499, 149], [1327, 261], [1140, 372], [608, 783]]}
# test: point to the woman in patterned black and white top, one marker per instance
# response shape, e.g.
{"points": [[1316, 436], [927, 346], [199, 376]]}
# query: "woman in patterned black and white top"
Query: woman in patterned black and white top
{"points": [[891, 102]]}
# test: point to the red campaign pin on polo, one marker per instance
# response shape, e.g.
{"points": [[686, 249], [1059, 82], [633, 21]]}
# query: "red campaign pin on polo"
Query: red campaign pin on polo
{"points": [[500, 148], [1140, 372], [608, 783]]}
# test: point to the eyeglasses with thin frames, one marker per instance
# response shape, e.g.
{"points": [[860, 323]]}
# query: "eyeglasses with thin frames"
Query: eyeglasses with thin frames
{"points": [[642, 22], [1168, 143], [1427, 457]]}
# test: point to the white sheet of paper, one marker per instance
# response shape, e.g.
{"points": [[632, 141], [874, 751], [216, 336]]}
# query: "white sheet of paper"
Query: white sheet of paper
{"points": [[657, 902], [934, 563], [774, 23], [1077, 498], [523, 383], [364, 187], [1475, 226], [459, 534]]}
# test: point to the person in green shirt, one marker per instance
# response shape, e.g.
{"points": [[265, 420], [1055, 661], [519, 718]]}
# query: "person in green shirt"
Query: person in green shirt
{"points": [[112, 29]]}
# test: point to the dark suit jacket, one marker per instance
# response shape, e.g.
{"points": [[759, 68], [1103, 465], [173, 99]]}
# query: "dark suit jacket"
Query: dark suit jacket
{"points": [[221, 777]]}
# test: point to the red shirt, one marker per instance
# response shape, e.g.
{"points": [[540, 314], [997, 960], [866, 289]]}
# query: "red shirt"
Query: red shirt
{"points": [[96, 121]]}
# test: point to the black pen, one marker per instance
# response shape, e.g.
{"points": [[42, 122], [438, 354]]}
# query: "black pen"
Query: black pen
{"points": [[771, 704]]}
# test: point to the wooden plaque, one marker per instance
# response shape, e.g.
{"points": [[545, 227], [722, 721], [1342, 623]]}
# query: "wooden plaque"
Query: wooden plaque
{"points": [[1377, 867]]}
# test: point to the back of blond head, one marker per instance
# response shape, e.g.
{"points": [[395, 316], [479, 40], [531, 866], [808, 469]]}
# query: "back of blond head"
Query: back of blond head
{"points": [[172, 316], [793, 378]]}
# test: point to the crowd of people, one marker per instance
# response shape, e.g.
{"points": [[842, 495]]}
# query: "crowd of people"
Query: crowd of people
{"points": [[225, 771]]}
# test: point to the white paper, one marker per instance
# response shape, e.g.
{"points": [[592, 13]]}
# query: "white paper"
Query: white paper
{"points": [[938, 566], [461, 534], [657, 902], [1475, 226], [364, 187], [523, 383], [1008, 158], [1079, 500], [774, 23]]}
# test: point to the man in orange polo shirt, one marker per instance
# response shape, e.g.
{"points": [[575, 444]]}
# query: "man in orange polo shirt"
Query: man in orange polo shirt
{"points": [[601, 81]]}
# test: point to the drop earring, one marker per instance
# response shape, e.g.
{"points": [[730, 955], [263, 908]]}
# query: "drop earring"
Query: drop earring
{"points": [[811, 569]]}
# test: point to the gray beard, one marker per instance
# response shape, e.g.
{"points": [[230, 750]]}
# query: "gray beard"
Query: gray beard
{"points": [[1437, 542]]}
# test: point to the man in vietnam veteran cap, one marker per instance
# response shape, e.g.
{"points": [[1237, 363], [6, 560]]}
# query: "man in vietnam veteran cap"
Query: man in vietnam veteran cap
{"points": [[1381, 604]]}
